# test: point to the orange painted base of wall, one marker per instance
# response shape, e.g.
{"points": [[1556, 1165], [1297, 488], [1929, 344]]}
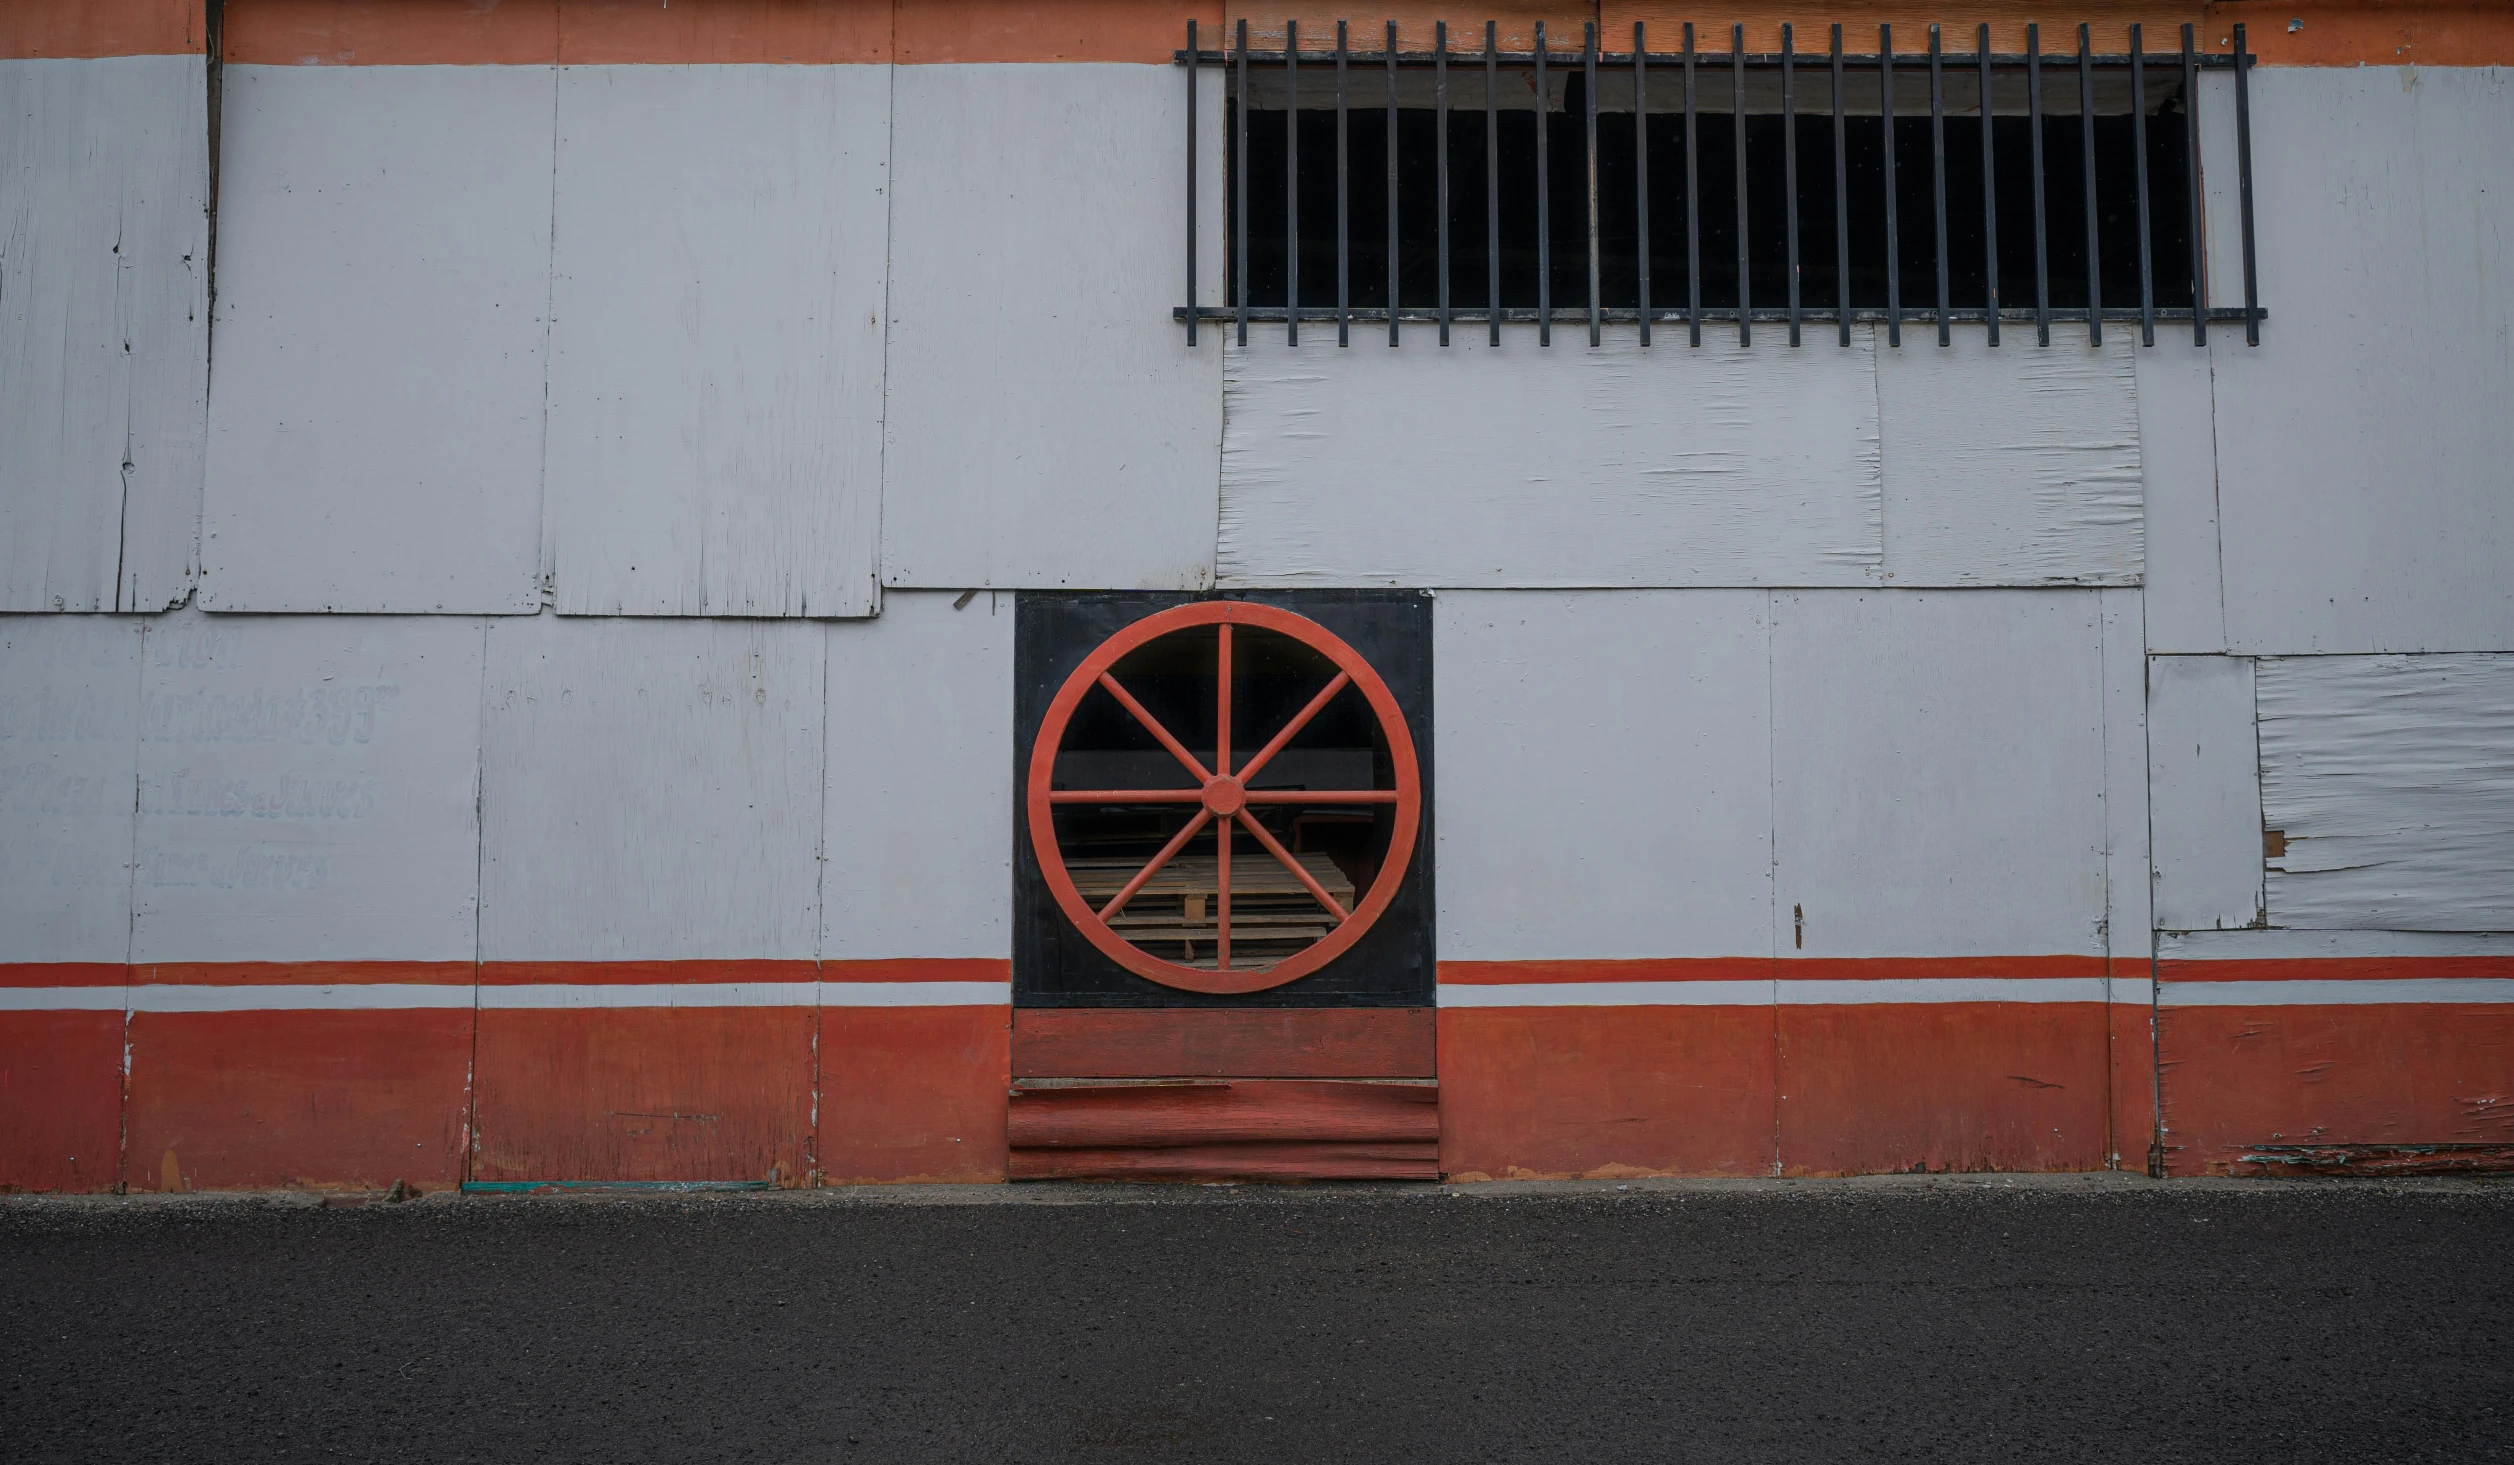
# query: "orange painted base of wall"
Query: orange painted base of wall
{"points": [[1954, 1086], [1545, 1093], [60, 1100], [645, 1093], [261, 1100], [2239, 1078], [914, 1093]]}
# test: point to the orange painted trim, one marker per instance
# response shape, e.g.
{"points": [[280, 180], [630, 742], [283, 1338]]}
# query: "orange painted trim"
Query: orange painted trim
{"points": [[724, 32], [300, 973], [392, 32], [63, 974], [976, 31], [36, 29], [913, 1094], [1645, 969], [2334, 968], [60, 1100], [533, 973], [919, 969], [1859, 968], [2371, 32]]}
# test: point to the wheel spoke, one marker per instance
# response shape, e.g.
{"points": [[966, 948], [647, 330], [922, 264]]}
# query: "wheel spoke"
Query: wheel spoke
{"points": [[1125, 795], [1322, 796], [1300, 720], [1153, 725], [1299, 871], [1222, 702], [1222, 886], [1177, 842]]}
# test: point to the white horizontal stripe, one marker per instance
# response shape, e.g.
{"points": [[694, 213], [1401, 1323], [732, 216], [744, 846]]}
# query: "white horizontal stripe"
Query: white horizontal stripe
{"points": [[2336, 993], [1607, 994], [650, 994], [1796, 991], [180, 997], [60, 999], [2281, 945], [916, 994]]}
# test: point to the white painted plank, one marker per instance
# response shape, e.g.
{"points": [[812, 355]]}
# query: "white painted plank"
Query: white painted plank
{"points": [[1048, 424], [2010, 466], [2204, 792], [69, 732], [2274, 945], [716, 344], [1938, 773], [2363, 446], [651, 790], [2393, 779], [383, 280], [308, 789], [104, 329], [1605, 779], [918, 810], [2128, 898], [2186, 600], [1564, 467]]}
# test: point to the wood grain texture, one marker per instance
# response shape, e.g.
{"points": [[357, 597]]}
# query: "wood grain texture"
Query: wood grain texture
{"points": [[1559, 1093], [1944, 1086], [1143, 31], [384, 277], [2013, 466], [719, 1093], [1281, 1161], [1563, 468], [61, 1086], [1315, 1042], [309, 789], [104, 330], [80, 28], [2128, 896], [1606, 785], [392, 33], [2186, 592], [260, 1100], [2408, 1073], [651, 790], [2392, 778], [2362, 465], [1938, 774], [912, 1094], [716, 349], [2132, 1074], [1236, 1111], [917, 842], [2204, 792], [1048, 425], [69, 736]]}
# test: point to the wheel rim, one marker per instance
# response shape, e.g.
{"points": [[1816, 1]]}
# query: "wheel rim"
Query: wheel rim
{"points": [[1222, 797]]}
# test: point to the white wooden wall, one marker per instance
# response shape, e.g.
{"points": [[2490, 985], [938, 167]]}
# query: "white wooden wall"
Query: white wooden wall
{"points": [[2362, 448], [2204, 777], [308, 789], [383, 298], [651, 789], [716, 345], [1049, 426], [69, 728], [917, 817], [104, 330]]}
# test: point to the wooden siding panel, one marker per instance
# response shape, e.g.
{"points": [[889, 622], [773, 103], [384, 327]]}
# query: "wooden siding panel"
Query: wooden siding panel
{"points": [[1938, 774], [913, 1093], [2392, 780], [309, 789], [104, 330], [651, 789], [2014, 466], [2204, 800], [384, 277], [2186, 593], [916, 816], [1606, 774], [1523, 467], [69, 735], [1315, 1042], [1048, 424], [2362, 446], [716, 349], [61, 1088], [2128, 894]]}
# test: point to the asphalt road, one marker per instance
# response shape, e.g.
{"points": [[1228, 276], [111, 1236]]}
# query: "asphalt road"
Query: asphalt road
{"points": [[2047, 1320]]}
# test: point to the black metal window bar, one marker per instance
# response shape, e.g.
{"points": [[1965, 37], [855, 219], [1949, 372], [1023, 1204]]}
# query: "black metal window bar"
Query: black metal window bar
{"points": [[2143, 106]]}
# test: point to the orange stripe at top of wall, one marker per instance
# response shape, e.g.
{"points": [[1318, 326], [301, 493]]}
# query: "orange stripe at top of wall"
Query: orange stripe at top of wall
{"points": [[2371, 32], [568, 32], [1152, 31], [33, 29], [2108, 23]]}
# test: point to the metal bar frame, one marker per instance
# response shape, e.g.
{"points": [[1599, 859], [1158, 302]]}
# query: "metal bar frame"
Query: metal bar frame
{"points": [[1641, 168], [1440, 102], [1392, 183], [1544, 205], [1588, 63], [1737, 134], [2243, 187], [1239, 185], [1893, 225], [1344, 191], [1990, 187], [2194, 225], [1292, 183], [1693, 203], [1938, 175], [2042, 247], [2138, 147], [1492, 183], [1789, 166], [1191, 186], [1841, 197], [2094, 217]]}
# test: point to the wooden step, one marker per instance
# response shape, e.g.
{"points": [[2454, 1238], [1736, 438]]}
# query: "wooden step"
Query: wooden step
{"points": [[1220, 1129]]}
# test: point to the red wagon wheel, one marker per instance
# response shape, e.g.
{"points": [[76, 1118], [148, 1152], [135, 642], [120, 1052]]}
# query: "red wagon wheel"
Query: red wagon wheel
{"points": [[1223, 797]]}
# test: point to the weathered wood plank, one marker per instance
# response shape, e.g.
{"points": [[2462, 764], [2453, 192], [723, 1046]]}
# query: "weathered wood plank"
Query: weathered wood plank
{"points": [[1332, 1042]]}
